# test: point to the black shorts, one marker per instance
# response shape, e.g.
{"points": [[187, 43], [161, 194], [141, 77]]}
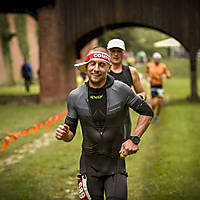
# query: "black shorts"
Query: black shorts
{"points": [[156, 91], [115, 187]]}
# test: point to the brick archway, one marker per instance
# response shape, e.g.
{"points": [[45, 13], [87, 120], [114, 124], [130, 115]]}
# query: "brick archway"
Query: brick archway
{"points": [[65, 26]]}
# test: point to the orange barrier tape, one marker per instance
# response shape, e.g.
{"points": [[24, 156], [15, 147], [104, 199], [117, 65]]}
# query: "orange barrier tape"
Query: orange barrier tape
{"points": [[35, 128]]}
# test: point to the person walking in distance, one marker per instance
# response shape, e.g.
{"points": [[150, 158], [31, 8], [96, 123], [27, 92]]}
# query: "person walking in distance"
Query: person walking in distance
{"points": [[101, 105], [26, 71], [126, 74], [155, 73]]}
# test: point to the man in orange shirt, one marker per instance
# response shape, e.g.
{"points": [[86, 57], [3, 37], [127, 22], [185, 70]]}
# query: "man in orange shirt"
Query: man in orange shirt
{"points": [[156, 71]]}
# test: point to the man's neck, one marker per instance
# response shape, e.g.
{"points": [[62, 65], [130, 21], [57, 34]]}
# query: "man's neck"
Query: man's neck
{"points": [[117, 68], [97, 85]]}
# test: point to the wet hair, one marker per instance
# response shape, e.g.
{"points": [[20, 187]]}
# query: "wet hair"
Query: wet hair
{"points": [[101, 49], [98, 48]]}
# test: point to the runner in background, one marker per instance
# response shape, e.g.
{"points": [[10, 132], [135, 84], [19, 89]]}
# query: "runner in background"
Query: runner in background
{"points": [[126, 74], [155, 73]]}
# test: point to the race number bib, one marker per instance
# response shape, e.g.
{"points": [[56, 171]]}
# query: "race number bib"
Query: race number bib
{"points": [[82, 188]]}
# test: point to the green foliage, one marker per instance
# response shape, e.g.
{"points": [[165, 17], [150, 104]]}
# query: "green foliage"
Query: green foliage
{"points": [[5, 37], [21, 30], [136, 39]]}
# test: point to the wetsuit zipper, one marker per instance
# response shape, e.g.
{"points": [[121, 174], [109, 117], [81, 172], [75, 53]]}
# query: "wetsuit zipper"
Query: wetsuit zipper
{"points": [[90, 113]]}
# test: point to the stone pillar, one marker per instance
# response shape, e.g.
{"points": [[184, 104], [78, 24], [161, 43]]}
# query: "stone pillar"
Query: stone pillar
{"points": [[193, 77], [57, 75]]}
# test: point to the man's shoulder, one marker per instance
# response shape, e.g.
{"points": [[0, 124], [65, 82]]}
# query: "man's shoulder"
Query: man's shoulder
{"points": [[130, 71], [150, 64], [120, 86], [27, 64], [133, 70], [120, 90], [78, 91], [163, 65], [128, 68], [125, 66]]}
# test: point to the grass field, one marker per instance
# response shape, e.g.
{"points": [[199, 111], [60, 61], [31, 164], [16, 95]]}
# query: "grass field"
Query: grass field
{"points": [[167, 166], [19, 90]]}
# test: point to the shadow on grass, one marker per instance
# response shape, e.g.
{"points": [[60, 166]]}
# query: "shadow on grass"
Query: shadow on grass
{"points": [[179, 101], [19, 99]]}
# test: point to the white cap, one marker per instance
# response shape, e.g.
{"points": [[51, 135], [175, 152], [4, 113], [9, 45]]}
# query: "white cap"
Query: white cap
{"points": [[157, 55], [116, 43]]}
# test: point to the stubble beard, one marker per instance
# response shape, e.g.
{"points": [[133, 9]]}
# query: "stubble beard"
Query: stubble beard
{"points": [[99, 82], [116, 61]]}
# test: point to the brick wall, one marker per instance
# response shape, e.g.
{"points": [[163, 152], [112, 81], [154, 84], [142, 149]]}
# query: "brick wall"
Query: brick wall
{"points": [[57, 75]]}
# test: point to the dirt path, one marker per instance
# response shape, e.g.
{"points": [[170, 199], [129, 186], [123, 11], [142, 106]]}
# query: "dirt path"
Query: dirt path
{"points": [[44, 140]]}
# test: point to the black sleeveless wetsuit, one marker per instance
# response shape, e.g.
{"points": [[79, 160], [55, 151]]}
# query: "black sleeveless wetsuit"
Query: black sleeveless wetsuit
{"points": [[103, 134], [126, 77]]}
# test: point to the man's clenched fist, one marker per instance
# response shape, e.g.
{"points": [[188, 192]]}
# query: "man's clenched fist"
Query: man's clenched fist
{"points": [[62, 132]]}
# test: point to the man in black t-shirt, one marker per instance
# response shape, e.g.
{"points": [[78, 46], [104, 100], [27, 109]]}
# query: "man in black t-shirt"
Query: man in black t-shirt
{"points": [[126, 74]]}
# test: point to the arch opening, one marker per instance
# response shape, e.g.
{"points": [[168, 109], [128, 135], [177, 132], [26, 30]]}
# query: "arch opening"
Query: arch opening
{"points": [[82, 41], [181, 55]]}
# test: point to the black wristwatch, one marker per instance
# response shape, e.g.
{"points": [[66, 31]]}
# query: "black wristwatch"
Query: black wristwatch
{"points": [[134, 139], [141, 96]]}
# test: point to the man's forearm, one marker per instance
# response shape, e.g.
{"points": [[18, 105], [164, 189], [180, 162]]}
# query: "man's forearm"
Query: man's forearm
{"points": [[142, 124]]}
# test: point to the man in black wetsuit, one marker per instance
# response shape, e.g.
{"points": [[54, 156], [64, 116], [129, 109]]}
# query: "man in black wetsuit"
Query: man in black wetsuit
{"points": [[101, 105], [126, 74]]}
